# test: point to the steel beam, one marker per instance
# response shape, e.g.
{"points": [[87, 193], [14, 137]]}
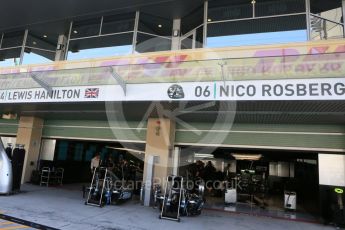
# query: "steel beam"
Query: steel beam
{"points": [[119, 80], [68, 40], [343, 11], [205, 24], [308, 21], [43, 84], [135, 32], [23, 47]]}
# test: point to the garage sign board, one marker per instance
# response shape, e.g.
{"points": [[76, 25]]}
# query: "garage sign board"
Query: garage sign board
{"points": [[261, 90]]}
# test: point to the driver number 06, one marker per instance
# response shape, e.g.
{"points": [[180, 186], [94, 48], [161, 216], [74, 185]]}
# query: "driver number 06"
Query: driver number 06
{"points": [[202, 91]]}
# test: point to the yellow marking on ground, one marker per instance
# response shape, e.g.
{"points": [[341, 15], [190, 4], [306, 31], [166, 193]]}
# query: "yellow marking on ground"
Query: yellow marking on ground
{"points": [[5, 222], [15, 227], [10, 225]]}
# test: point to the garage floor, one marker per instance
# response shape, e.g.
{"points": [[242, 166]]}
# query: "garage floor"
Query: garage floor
{"points": [[273, 209], [63, 208]]}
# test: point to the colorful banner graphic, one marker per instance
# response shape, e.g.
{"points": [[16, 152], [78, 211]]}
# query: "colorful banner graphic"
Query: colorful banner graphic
{"points": [[291, 61]]}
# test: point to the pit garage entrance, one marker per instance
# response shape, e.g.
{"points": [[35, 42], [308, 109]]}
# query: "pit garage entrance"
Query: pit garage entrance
{"points": [[75, 156], [283, 184], [66, 163]]}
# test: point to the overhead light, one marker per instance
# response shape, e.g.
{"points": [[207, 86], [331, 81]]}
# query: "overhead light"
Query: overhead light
{"points": [[35, 43], [176, 33], [249, 157], [203, 155], [160, 26], [209, 20], [75, 31], [59, 47], [9, 116], [45, 36]]}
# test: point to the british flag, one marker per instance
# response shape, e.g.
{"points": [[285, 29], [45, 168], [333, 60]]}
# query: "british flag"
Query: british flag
{"points": [[91, 93]]}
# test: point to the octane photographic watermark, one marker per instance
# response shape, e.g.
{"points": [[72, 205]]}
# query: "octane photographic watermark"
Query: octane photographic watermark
{"points": [[189, 184]]}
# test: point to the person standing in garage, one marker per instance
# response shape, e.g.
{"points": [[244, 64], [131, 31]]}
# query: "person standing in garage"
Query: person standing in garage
{"points": [[95, 162]]}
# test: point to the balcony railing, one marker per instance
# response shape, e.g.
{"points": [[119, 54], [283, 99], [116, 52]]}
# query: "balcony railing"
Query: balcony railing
{"points": [[111, 72]]}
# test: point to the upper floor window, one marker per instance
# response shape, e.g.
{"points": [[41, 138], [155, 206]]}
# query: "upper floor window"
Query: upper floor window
{"points": [[255, 22], [10, 48], [326, 20], [109, 35]]}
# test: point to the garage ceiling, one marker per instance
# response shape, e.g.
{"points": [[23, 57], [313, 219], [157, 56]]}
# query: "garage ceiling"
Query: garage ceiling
{"points": [[264, 112], [19, 13], [15, 14]]}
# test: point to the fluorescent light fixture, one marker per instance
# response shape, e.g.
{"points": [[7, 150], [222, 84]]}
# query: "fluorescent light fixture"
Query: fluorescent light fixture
{"points": [[203, 155], [160, 26], [248, 171], [249, 157], [209, 20], [126, 149], [75, 31], [45, 36]]}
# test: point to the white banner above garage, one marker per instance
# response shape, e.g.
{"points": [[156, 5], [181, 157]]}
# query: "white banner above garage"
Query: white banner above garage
{"points": [[266, 90]]}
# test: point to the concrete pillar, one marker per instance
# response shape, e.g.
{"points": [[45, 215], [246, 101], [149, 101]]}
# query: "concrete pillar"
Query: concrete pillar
{"points": [[30, 134], [61, 48], [160, 138], [175, 42]]}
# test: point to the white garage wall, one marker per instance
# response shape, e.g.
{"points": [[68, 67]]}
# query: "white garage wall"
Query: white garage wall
{"points": [[332, 169], [47, 149], [7, 140]]}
